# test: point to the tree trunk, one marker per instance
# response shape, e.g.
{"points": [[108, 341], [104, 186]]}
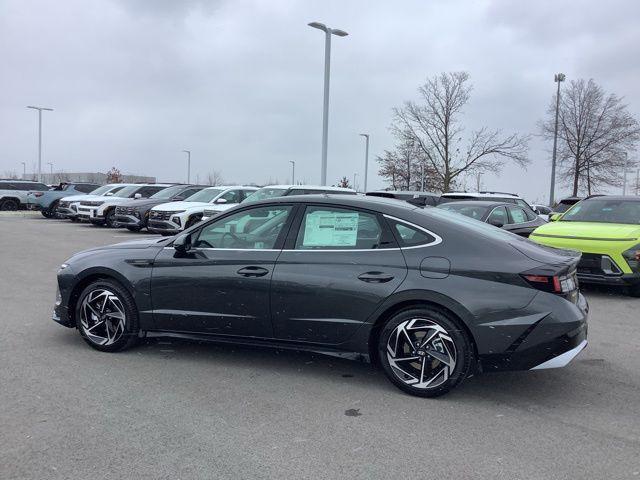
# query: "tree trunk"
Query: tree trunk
{"points": [[576, 175]]}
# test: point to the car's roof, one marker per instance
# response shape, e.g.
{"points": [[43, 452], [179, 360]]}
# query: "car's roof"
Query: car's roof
{"points": [[630, 198], [403, 192], [571, 199], [381, 204], [479, 203], [314, 187], [480, 194]]}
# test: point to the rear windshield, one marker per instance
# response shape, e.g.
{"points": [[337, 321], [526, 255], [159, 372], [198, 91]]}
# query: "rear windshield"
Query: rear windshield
{"points": [[602, 210]]}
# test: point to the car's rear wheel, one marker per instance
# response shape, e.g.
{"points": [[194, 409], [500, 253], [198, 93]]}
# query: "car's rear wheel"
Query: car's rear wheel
{"points": [[134, 229], [106, 316], [425, 352], [9, 204]]}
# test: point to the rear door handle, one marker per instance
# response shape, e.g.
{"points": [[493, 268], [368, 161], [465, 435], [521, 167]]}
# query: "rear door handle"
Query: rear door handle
{"points": [[375, 277], [252, 271]]}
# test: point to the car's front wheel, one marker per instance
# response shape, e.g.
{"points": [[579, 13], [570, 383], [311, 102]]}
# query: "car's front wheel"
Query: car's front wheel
{"points": [[106, 316], [425, 352]]}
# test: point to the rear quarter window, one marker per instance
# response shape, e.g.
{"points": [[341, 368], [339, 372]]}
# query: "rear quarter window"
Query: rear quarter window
{"points": [[410, 236]]}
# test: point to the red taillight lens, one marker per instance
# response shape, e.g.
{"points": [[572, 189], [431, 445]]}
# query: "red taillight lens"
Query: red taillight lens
{"points": [[556, 283]]}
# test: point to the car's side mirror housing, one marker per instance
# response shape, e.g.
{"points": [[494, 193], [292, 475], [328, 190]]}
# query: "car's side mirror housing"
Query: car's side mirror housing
{"points": [[182, 243], [108, 194], [496, 223], [137, 196], [221, 200], [555, 217]]}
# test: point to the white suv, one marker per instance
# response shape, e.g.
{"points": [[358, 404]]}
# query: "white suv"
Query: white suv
{"points": [[273, 191], [493, 196], [68, 206], [102, 211], [171, 218]]}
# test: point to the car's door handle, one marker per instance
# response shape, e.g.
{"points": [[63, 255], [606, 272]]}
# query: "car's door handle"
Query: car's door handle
{"points": [[253, 271], [375, 277]]}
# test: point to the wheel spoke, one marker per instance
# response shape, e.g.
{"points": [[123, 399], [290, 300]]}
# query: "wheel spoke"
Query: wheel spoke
{"points": [[102, 317]]}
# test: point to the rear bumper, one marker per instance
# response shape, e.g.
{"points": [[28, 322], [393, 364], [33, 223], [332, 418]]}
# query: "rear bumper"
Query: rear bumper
{"points": [[549, 334], [624, 279]]}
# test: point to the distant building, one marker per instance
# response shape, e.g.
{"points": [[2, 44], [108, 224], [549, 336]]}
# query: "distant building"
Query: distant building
{"points": [[90, 177]]}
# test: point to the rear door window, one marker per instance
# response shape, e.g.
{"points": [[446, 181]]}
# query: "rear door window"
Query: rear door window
{"points": [[498, 215], [517, 215], [332, 228]]}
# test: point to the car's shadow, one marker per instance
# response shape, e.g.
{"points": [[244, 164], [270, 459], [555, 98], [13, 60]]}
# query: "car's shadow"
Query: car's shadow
{"points": [[601, 291]]}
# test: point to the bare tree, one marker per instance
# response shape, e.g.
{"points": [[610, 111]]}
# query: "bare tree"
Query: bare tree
{"points": [[10, 175], [114, 176], [343, 183], [214, 178], [405, 165], [434, 126], [595, 135]]}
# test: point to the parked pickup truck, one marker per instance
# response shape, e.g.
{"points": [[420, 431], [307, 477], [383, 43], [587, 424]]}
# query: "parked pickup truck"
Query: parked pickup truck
{"points": [[47, 202]]}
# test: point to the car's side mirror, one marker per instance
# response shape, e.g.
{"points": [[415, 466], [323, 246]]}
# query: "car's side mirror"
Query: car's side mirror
{"points": [[496, 223], [137, 196], [221, 200], [555, 217], [177, 199], [182, 243], [108, 194]]}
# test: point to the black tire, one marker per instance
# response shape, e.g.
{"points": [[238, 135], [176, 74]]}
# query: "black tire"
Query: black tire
{"points": [[128, 333], [134, 229], [634, 290], [9, 205], [46, 213], [74, 219], [449, 339], [109, 218]]}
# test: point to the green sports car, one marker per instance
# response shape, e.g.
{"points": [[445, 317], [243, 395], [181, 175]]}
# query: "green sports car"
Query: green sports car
{"points": [[606, 229]]}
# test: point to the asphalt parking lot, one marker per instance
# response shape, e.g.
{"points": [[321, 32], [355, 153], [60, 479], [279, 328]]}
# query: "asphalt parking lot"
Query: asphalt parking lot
{"points": [[178, 410]]}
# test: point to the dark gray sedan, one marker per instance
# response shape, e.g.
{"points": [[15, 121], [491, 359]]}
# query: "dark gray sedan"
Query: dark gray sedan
{"points": [[507, 216]]}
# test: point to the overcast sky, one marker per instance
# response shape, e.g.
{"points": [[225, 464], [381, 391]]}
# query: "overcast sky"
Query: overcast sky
{"points": [[239, 83]]}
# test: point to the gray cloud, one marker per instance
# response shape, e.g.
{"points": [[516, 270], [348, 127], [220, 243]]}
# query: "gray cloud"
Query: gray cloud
{"points": [[240, 83]]}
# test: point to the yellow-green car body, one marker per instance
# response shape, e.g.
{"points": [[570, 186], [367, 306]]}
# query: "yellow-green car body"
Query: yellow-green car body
{"points": [[606, 230]]}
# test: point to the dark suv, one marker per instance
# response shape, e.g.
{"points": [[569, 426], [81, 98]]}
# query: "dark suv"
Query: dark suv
{"points": [[134, 215]]}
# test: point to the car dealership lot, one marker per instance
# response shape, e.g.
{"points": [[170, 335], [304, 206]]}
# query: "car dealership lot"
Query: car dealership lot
{"points": [[170, 409]]}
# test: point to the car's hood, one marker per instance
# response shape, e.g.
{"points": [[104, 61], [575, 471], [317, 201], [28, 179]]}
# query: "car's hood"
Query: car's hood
{"points": [[130, 244], [114, 200], [143, 202], [84, 198], [175, 206], [589, 231]]}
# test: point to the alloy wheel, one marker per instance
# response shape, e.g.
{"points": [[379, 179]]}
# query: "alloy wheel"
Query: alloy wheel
{"points": [[102, 317], [421, 353]]}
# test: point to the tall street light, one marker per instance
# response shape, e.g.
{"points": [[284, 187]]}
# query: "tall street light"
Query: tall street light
{"points": [[40, 109], [325, 111], [558, 78], [366, 159], [188, 152], [50, 169], [24, 170], [354, 181], [293, 172]]}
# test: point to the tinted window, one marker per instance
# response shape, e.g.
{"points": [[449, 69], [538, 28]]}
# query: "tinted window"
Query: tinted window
{"points": [[410, 236], [604, 211], [205, 195], [468, 210], [148, 191], [86, 188], [518, 215], [6, 186], [564, 206], [168, 193], [498, 216], [188, 192], [232, 196], [523, 204], [256, 228], [329, 228]]}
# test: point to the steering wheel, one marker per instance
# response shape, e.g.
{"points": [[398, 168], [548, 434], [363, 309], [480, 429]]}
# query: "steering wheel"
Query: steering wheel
{"points": [[235, 238]]}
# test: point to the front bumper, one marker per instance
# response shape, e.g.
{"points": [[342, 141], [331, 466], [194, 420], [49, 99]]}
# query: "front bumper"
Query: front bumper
{"points": [[127, 221], [163, 226]]}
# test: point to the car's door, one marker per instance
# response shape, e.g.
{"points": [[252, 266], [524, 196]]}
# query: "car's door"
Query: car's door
{"points": [[338, 265], [221, 284]]}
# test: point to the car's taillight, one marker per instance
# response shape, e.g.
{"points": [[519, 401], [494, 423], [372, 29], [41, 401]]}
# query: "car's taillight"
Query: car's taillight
{"points": [[560, 284]]}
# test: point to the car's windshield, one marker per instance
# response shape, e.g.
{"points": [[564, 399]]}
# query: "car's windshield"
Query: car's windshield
{"points": [[167, 193], [127, 191], [604, 210], [103, 189], [264, 193], [472, 211], [205, 195]]}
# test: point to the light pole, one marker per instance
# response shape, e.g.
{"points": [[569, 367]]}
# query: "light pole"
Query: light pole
{"points": [[50, 171], [24, 170], [624, 174], [188, 152], [558, 78], [354, 181], [325, 111], [293, 172], [366, 159], [40, 109]]}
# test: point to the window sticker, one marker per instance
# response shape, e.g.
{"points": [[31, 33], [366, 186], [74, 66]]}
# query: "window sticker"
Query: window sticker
{"points": [[331, 229]]}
